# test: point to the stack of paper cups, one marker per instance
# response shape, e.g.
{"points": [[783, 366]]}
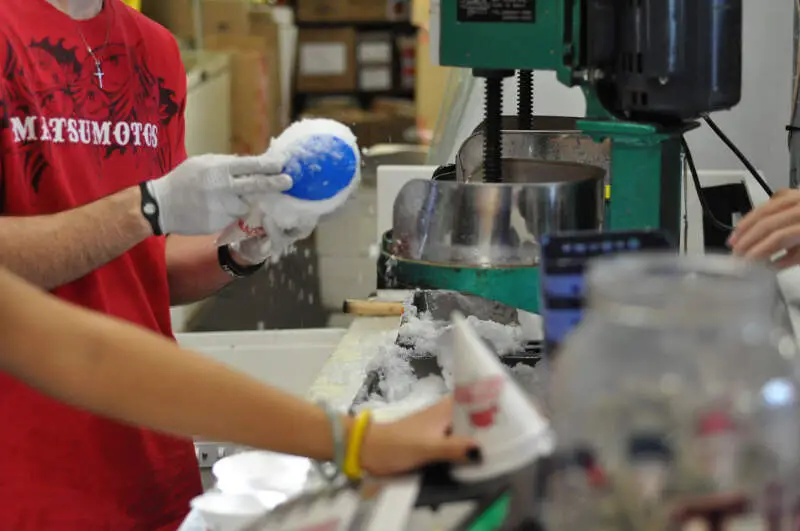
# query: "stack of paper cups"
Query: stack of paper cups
{"points": [[491, 408], [228, 512]]}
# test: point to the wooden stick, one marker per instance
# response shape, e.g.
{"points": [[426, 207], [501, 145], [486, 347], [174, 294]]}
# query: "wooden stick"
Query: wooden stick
{"points": [[373, 308]]}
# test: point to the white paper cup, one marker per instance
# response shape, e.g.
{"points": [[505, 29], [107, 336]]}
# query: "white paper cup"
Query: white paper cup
{"points": [[228, 512], [491, 408]]}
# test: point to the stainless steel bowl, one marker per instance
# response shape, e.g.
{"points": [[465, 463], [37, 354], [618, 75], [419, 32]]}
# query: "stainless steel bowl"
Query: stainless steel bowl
{"points": [[491, 225], [553, 138]]}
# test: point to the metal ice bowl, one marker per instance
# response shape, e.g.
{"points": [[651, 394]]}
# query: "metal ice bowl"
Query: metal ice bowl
{"points": [[552, 138], [490, 225]]}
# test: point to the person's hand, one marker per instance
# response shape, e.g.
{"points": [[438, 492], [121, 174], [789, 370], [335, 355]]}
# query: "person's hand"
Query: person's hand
{"points": [[415, 441], [770, 229], [204, 194], [259, 249]]}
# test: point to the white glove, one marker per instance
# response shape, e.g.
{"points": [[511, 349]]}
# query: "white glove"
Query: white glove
{"points": [[259, 249], [204, 194]]}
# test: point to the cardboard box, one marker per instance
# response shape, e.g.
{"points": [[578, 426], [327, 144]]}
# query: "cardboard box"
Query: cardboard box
{"points": [[393, 129], [361, 122], [255, 90], [370, 127], [262, 23], [225, 17], [218, 16], [352, 10], [175, 15], [326, 60], [395, 107]]}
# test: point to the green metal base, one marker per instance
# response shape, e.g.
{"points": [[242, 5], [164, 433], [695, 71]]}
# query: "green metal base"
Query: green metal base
{"points": [[646, 174], [517, 287]]}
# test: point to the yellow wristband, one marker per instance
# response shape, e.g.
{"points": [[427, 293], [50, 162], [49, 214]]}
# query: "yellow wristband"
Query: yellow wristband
{"points": [[352, 458]]}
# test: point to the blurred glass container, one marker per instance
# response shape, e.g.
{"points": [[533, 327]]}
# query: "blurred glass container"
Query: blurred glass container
{"points": [[675, 398]]}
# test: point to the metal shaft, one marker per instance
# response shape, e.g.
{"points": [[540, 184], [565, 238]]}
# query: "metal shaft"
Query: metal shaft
{"points": [[492, 138], [525, 95]]}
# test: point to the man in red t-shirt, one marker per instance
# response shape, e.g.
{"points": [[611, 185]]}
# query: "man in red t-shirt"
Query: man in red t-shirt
{"points": [[93, 172]]}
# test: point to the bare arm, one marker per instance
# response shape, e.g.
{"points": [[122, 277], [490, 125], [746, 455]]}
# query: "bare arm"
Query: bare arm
{"points": [[193, 270], [117, 370], [56, 249]]}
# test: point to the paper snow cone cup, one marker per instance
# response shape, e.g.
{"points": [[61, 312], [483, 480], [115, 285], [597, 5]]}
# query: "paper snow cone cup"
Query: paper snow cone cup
{"points": [[228, 512], [491, 408]]}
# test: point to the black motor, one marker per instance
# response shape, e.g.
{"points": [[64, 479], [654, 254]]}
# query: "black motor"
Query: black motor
{"points": [[667, 61]]}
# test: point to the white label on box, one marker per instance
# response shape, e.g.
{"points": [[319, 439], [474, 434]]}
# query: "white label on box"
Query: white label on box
{"points": [[375, 78], [323, 59], [374, 52]]}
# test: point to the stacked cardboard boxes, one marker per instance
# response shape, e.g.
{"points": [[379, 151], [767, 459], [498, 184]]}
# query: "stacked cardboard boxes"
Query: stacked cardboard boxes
{"points": [[249, 34], [338, 54], [387, 121], [176, 15], [352, 10], [326, 60]]}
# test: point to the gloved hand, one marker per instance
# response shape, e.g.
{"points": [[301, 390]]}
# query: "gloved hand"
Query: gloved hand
{"points": [[259, 249], [204, 194]]}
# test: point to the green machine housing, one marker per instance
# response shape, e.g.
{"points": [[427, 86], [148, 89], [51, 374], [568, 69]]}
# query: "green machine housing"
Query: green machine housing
{"points": [[648, 70]]}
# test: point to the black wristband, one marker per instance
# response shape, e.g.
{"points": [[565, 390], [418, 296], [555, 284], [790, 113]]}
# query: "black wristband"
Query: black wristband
{"points": [[229, 265], [150, 209]]}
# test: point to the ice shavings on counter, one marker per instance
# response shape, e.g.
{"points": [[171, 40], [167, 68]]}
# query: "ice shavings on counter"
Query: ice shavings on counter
{"points": [[397, 377], [353, 359], [421, 333], [400, 393]]}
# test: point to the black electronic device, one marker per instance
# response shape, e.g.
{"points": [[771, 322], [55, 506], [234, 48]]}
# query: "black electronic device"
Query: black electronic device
{"points": [[667, 61], [564, 260]]}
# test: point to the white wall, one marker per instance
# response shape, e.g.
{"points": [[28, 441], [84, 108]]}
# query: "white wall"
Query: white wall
{"points": [[757, 125]]}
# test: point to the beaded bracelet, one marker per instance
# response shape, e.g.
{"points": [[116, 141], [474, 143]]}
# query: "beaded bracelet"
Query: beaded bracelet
{"points": [[337, 431]]}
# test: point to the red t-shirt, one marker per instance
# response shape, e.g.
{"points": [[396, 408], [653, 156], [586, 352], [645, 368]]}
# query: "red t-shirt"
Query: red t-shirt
{"points": [[64, 142]]}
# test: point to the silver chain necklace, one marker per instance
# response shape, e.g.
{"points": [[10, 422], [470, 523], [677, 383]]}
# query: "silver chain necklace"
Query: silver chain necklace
{"points": [[98, 66]]}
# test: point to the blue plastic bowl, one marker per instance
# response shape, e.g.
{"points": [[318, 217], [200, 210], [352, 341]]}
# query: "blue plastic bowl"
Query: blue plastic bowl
{"points": [[327, 166]]}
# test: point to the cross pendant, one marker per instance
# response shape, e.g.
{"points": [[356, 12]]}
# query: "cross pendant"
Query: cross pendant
{"points": [[99, 74]]}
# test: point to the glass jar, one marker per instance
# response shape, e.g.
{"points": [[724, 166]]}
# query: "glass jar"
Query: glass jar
{"points": [[675, 399]]}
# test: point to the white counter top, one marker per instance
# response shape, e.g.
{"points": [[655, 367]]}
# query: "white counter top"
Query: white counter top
{"points": [[343, 374], [290, 360]]}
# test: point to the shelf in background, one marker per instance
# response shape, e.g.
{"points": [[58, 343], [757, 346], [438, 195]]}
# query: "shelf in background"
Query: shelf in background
{"points": [[401, 25], [364, 99], [396, 93]]}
